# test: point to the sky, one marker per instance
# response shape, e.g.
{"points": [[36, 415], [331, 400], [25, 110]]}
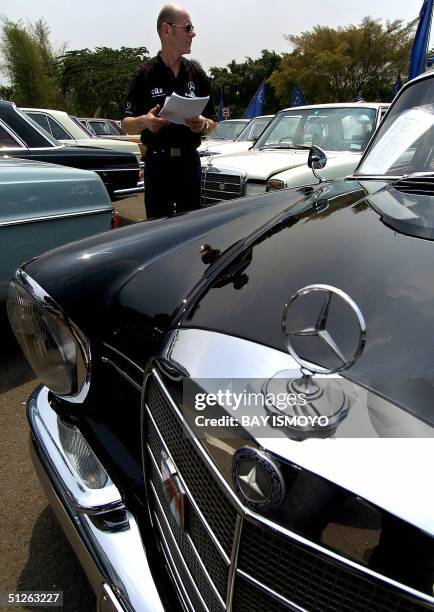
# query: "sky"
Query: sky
{"points": [[225, 30]]}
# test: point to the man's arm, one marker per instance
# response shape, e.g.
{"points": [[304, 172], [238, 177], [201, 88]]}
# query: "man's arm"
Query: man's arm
{"points": [[201, 124], [150, 121]]}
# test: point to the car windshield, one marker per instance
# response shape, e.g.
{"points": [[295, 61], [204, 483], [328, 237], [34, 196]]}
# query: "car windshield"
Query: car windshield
{"points": [[228, 130], [102, 128], [81, 126], [332, 129], [404, 142], [254, 129]]}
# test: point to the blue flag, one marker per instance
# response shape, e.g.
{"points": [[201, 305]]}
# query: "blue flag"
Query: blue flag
{"points": [[220, 107], [397, 86], [421, 39], [257, 103], [297, 97]]}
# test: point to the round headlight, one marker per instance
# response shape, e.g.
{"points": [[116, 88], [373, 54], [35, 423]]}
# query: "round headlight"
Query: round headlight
{"points": [[57, 351]]}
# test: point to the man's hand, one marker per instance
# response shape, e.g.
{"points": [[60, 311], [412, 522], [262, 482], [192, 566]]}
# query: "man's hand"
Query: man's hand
{"points": [[152, 122], [196, 124]]}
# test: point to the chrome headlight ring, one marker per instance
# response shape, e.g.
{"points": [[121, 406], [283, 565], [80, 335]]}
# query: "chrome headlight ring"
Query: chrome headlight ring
{"points": [[38, 322]]}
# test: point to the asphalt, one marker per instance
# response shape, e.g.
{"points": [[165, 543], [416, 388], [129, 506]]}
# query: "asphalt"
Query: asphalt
{"points": [[35, 555]]}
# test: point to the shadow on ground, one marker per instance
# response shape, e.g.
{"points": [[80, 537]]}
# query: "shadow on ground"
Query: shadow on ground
{"points": [[53, 566]]}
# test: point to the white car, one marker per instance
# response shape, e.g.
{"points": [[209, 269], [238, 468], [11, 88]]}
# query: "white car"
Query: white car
{"points": [[70, 132], [244, 142], [342, 130], [226, 131]]}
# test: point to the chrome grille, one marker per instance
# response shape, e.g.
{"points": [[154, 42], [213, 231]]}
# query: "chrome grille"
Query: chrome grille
{"points": [[253, 569], [218, 187]]}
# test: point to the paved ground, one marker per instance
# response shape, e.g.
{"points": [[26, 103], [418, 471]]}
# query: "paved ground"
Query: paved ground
{"points": [[35, 554]]}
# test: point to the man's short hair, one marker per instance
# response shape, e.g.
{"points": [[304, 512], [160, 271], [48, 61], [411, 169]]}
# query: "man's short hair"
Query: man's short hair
{"points": [[167, 14]]}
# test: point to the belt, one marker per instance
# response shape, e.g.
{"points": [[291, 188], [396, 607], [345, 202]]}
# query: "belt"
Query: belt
{"points": [[169, 151]]}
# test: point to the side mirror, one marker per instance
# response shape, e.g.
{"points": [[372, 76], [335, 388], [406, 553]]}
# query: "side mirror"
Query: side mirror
{"points": [[316, 161]]}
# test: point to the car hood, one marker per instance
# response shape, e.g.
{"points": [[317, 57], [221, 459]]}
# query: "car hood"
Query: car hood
{"points": [[116, 145], [229, 148], [388, 274], [261, 165]]}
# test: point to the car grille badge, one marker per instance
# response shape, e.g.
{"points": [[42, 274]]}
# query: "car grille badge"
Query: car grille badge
{"points": [[173, 489]]}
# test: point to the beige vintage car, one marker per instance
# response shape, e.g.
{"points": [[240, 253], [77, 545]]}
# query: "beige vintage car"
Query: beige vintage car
{"points": [[69, 131]]}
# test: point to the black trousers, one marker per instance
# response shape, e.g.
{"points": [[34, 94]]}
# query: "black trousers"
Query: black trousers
{"points": [[172, 184]]}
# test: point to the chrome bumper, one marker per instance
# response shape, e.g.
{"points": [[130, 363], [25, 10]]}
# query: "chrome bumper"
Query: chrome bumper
{"points": [[122, 192], [115, 562]]}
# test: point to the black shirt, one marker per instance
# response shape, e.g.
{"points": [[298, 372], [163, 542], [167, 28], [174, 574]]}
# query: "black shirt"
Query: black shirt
{"points": [[150, 85]]}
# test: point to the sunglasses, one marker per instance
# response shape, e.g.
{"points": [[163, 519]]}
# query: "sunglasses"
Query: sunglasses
{"points": [[187, 28]]}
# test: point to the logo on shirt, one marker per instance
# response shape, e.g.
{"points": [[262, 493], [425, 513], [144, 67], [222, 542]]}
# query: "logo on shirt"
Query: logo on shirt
{"points": [[191, 93], [157, 91]]}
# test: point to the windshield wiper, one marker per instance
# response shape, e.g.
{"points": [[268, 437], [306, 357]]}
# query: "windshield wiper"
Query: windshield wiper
{"points": [[285, 146]]}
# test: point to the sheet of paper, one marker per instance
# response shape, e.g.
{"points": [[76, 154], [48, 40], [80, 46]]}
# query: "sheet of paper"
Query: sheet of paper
{"points": [[408, 127], [177, 109]]}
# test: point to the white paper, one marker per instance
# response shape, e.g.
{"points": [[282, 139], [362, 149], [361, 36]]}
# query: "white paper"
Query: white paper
{"points": [[177, 109], [407, 128]]}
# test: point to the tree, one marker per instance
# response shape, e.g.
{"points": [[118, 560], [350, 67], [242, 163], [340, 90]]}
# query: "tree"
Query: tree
{"points": [[29, 63], [338, 64], [239, 82], [95, 83]]}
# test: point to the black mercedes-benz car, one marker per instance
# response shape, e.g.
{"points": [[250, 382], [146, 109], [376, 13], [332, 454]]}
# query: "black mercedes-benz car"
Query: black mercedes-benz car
{"points": [[236, 410], [21, 136]]}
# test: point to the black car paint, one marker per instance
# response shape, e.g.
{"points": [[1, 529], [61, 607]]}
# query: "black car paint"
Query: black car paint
{"points": [[137, 297], [118, 170]]}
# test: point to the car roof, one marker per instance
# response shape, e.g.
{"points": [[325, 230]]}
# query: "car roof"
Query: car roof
{"points": [[375, 105]]}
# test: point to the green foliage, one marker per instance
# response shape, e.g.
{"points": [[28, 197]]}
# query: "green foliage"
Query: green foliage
{"points": [[28, 61], [337, 64], [95, 83], [240, 82]]}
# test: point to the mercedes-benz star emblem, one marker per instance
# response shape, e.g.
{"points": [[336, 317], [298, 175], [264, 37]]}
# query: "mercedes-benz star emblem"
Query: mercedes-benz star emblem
{"points": [[257, 479], [319, 328]]}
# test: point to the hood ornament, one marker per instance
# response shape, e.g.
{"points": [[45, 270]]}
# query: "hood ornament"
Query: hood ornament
{"points": [[322, 396]]}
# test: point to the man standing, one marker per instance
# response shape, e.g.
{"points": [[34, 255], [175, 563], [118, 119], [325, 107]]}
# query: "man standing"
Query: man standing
{"points": [[172, 163]]}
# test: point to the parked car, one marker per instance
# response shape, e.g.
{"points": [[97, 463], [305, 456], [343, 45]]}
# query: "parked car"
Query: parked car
{"points": [[310, 310], [69, 132], [228, 129], [342, 130], [107, 128], [21, 136], [43, 206], [247, 137]]}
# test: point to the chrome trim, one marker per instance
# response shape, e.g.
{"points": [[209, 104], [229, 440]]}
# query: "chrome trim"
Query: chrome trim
{"points": [[234, 562], [122, 373], [171, 568], [43, 422], [14, 135], [135, 168], [205, 571], [107, 601], [339, 460], [118, 559], [270, 592], [175, 543], [130, 191], [130, 361], [188, 492], [26, 282], [54, 217], [261, 521]]}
